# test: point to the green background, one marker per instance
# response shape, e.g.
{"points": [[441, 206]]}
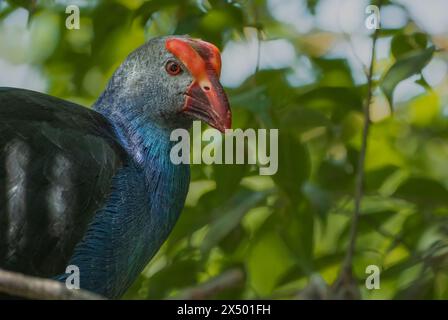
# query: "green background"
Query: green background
{"points": [[281, 236]]}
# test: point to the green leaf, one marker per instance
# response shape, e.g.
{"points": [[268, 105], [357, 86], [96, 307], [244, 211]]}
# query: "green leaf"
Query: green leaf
{"points": [[233, 240], [336, 176], [422, 81], [172, 277], [301, 119], [412, 230], [375, 178], [27, 4], [230, 215], [267, 261], [368, 222], [423, 192], [405, 67], [402, 44], [6, 11], [311, 5], [297, 231], [228, 177], [323, 98], [149, 7], [421, 288], [336, 101], [293, 165], [320, 263], [320, 199], [394, 271], [334, 72]]}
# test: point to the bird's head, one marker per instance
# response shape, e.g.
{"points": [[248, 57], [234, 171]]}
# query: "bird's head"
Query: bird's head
{"points": [[171, 81]]}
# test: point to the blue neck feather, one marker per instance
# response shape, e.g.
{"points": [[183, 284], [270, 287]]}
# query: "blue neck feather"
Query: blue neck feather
{"points": [[147, 197]]}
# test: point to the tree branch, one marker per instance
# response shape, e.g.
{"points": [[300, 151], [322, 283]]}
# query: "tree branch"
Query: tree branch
{"points": [[28, 287], [346, 286], [230, 279], [359, 185]]}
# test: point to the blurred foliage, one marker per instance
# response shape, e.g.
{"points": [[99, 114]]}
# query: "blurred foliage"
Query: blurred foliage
{"points": [[289, 232]]}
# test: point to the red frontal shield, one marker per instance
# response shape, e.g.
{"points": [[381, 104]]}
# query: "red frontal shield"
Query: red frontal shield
{"points": [[206, 99]]}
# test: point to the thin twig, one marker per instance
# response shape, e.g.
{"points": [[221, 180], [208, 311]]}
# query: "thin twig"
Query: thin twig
{"points": [[359, 184], [257, 67], [28, 287], [230, 279]]}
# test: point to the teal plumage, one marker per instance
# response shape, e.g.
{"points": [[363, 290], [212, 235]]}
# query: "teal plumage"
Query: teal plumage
{"points": [[146, 200]]}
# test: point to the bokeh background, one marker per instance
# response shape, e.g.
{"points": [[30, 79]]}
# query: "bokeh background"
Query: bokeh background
{"points": [[300, 66]]}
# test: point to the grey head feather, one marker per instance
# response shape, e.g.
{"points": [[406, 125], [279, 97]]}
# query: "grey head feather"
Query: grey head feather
{"points": [[142, 89]]}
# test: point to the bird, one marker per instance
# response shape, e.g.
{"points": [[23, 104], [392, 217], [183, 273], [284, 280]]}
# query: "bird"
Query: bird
{"points": [[95, 187]]}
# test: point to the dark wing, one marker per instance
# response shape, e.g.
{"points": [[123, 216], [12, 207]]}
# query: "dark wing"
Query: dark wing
{"points": [[57, 160]]}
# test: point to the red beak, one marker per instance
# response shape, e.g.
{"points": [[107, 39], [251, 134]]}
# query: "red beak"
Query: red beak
{"points": [[205, 98], [209, 104]]}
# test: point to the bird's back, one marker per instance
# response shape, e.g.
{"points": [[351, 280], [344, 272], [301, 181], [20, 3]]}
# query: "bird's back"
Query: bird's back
{"points": [[57, 161]]}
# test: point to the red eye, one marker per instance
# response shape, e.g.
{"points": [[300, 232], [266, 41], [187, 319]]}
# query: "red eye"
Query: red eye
{"points": [[173, 68]]}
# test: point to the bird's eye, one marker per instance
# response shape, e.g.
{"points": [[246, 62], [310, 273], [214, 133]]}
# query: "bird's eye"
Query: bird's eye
{"points": [[173, 68]]}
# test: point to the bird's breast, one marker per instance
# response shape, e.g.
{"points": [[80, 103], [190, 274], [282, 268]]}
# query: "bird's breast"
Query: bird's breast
{"points": [[141, 210]]}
